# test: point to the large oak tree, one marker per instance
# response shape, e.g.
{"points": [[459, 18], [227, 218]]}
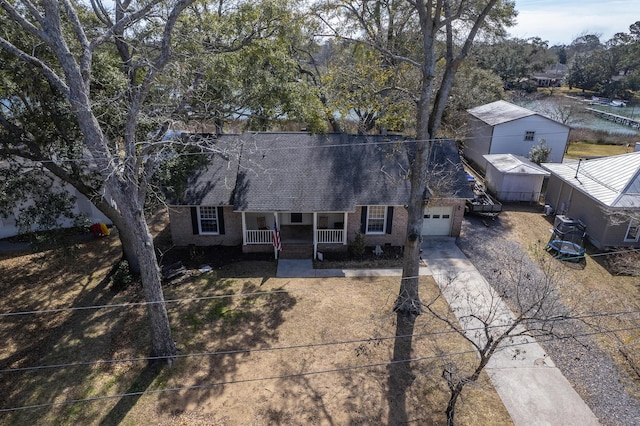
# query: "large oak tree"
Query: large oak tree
{"points": [[90, 93]]}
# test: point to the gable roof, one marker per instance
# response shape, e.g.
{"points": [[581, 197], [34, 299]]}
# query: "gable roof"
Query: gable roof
{"points": [[514, 165], [303, 172], [500, 112], [613, 181]]}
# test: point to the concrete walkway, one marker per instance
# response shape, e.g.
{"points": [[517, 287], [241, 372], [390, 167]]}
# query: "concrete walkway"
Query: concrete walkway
{"points": [[303, 268], [532, 388]]}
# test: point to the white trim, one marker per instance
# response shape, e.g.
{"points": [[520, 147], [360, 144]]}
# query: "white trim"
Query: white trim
{"points": [[345, 228], [384, 221], [215, 210], [632, 224], [315, 235], [244, 229]]}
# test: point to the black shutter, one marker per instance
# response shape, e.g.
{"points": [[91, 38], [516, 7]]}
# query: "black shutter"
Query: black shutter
{"points": [[389, 218], [220, 221], [363, 220], [194, 221]]}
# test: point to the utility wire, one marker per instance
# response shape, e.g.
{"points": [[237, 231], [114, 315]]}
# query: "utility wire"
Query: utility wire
{"points": [[255, 147], [202, 298], [189, 299], [331, 343], [288, 376]]}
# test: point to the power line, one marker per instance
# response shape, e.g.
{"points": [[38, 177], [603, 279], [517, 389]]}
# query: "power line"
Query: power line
{"points": [[399, 140], [188, 299], [203, 298], [330, 343], [295, 375]]}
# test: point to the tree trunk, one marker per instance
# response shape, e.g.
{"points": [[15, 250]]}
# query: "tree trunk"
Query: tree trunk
{"points": [[127, 242], [400, 375], [408, 301], [451, 406], [134, 230]]}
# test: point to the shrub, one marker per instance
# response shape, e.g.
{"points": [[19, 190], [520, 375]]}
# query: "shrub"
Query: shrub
{"points": [[357, 247], [121, 277]]}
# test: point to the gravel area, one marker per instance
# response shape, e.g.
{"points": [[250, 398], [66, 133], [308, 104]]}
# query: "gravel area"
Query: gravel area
{"points": [[590, 370]]}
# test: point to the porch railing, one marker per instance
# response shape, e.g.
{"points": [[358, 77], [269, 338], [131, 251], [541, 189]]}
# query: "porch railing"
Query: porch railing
{"points": [[259, 236], [328, 236]]}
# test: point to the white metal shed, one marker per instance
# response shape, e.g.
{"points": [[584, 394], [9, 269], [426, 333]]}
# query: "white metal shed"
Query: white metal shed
{"points": [[514, 178]]}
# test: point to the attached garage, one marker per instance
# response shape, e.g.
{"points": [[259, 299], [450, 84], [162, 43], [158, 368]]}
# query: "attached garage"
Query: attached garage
{"points": [[437, 221]]}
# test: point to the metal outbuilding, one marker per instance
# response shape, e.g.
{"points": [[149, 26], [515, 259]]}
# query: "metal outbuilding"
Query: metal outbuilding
{"points": [[514, 178], [504, 128]]}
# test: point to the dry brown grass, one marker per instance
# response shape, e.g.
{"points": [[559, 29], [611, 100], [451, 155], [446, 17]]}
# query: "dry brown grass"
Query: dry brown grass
{"points": [[578, 150], [249, 380], [596, 290]]}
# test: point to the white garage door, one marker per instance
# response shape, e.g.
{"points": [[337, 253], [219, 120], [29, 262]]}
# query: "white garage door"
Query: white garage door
{"points": [[437, 221]]}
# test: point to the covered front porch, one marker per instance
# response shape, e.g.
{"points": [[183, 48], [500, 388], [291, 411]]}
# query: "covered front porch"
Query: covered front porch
{"points": [[294, 228]]}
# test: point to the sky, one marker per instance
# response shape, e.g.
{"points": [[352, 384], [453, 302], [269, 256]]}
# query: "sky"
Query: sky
{"points": [[561, 21]]}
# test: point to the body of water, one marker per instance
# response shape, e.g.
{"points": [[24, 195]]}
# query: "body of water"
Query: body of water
{"points": [[579, 117]]}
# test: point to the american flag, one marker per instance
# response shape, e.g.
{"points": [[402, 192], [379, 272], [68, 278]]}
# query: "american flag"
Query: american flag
{"points": [[276, 239]]}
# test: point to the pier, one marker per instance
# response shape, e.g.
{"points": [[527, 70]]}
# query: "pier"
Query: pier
{"points": [[625, 121]]}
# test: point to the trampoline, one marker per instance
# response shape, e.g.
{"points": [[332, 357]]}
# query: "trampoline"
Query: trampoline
{"points": [[567, 241], [566, 250]]}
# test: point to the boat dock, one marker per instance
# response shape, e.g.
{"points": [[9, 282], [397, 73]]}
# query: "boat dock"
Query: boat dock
{"points": [[620, 119]]}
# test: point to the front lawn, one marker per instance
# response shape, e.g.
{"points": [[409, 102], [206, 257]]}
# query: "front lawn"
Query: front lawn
{"points": [[254, 349]]}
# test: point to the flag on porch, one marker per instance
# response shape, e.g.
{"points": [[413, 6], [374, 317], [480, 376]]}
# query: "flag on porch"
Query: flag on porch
{"points": [[276, 239]]}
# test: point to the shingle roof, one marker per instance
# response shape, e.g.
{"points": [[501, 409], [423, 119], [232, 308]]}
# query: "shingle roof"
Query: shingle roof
{"points": [[302, 172], [214, 184], [514, 164], [613, 181]]}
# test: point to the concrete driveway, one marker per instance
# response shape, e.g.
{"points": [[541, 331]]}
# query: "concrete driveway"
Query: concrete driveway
{"points": [[532, 389]]}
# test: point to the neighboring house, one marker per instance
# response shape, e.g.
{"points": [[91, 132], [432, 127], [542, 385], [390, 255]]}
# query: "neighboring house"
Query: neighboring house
{"points": [[320, 190], [504, 128], [82, 207], [551, 76], [603, 193], [514, 178]]}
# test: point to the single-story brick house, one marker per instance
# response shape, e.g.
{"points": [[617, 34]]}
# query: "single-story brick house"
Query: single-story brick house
{"points": [[320, 190], [504, 128], [603, 193]]}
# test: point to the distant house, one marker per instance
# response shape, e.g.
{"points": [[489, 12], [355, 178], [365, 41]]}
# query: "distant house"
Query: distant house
{"points": [[551, 76], [504, 128], [319, 190], [514, 178], [81, 207], [603, 193]]}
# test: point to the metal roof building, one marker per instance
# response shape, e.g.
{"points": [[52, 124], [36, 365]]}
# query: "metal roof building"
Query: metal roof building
{"points": [[604, 193], [514, 178], [504, 128]]}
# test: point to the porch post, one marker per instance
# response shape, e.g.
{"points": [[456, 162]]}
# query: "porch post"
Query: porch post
{"points": [[344, 230], [244, 230], [276, 231], [315, 235]]}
